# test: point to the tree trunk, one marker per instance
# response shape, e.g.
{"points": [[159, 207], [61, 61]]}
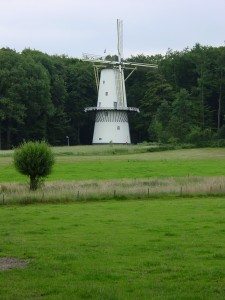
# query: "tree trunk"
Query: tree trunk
{"points": [[78, 133], [0, 138], [202, 99], [8, 135], [219, 103], [33, 183]]}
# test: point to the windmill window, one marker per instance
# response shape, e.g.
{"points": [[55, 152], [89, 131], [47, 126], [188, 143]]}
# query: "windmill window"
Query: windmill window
{"points": [[106, 93], [99, 104], [100, 139], [115, 104], [118, 127], [103, 81]]}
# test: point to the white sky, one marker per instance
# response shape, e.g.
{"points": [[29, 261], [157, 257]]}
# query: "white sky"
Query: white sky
{"points": [[75, 26]]}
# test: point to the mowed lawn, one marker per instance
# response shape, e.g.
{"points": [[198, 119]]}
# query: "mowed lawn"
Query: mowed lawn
{"points": [[193, 162], [165, 249]]}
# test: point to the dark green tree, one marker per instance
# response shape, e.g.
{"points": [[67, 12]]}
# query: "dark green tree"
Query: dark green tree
{"points": [[11, 113], [182, 116], [81, 93], [159, 91]]}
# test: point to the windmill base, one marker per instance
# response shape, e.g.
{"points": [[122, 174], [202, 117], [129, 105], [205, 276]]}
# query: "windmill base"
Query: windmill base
{"points": [[111, 127]]}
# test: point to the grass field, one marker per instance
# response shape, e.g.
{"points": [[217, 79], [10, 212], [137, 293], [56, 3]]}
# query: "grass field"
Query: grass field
{"points": [[160, 247], [164, 249], [132, 172], [192, 162]]}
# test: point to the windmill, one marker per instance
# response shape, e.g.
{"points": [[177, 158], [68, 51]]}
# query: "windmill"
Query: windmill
{"points": [[111, 120]]}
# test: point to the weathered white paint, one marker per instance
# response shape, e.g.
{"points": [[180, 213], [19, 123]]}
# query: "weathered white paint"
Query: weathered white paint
{"points": [[111, 125], [112, 83], [111, 132]]}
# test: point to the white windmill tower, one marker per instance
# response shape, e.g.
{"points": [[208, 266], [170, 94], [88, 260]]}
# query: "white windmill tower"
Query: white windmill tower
{"points": [[111, 121]]}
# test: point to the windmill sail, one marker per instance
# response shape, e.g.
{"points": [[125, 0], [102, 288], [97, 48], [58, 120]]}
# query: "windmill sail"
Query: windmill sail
{"points": [[120, 39]]}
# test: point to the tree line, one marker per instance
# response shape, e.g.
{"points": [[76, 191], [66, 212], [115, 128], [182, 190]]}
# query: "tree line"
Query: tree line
{"points": [[42, 97]]}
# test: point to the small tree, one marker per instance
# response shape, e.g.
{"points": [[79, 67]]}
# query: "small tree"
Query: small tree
{"points": [[34, 159]]}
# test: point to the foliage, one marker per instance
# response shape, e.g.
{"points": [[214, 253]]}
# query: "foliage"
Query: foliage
{"points": [[34, 159], [47, 96]]}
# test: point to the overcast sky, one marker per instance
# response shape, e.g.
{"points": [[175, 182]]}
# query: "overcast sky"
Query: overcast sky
{"points": [[75, 26]]}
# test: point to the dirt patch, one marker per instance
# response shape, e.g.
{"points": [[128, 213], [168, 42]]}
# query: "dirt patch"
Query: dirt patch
{"points": [[8, 263]]}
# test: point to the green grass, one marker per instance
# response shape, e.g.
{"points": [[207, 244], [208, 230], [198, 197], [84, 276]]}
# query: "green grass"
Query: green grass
{"points": [[94, 150], [167, 248], [137, 169], [164, 249], [194, 162]]}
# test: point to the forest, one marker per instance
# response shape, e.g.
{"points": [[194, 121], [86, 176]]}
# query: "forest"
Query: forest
{"points": [[42, 97]]}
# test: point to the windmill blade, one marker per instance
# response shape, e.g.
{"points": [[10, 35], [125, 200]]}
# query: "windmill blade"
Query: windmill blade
{"points": [[88, 56], [123, 64], [102, 62], [139, 65], [120, 39]]}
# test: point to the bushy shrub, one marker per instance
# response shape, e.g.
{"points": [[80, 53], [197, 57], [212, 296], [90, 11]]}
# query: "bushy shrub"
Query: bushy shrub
{"points": [[221, 132], [166, 147], [218, 143], [34, 159], [200, 137]]}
